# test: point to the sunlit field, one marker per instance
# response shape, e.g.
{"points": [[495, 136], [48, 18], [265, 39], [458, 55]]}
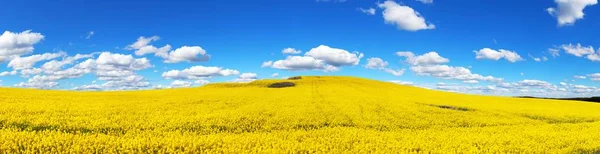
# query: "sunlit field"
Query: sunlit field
{"points": [[318, 114]]}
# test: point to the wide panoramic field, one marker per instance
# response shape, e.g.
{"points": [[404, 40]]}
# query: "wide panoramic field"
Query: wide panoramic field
{"points": [[318, 114]]}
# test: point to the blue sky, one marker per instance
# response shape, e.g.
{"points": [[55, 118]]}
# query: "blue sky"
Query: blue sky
{"points": [[478, 40]]}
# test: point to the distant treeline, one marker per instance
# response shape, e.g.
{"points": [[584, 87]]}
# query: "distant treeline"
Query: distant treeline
{"points": [[587, 99]]}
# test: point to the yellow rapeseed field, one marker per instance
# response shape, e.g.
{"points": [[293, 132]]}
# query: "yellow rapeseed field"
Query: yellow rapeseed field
{"points": [[318, 115]]}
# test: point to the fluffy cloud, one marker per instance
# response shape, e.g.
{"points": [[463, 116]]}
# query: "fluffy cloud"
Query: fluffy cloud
{"points": [[335, 56], [399, 72], [275, 75], [594, 77], [181, 83], [404, 17], [18, 63], [431, 64], [56, 65], [291, 51], [369, 11], [568, 11], [577, 50], [450, 72], [16, 44], [487, 53], [429, 58], [379, 64], [299, 63], [185, 53], [246, 77], [320, 58], [117, 69], [376, 63], [579, 77], [198, 72], [5, 73]]}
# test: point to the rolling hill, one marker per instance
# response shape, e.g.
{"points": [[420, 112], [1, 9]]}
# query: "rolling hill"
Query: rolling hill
{"points": [[303, 115]]}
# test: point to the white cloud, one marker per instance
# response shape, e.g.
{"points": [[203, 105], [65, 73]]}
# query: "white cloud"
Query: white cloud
{"points": [[579, 77], [594, 77], [404, 17], [376, 63], [399, 72], [198, 72], [275, 75], [335, 56], [429, 58], [6, 73], [322, 58], [568, 11], [451, 72], [181, 83], [56, 65], [401, 82], [291, 51], [471, 81], [246, 77], [430, 64], [426, 1], [18, 63], [142, 42], [89, 35], [369, 11], [487, 53], [578, 50], [16, 44], [298, 63], [185, 53]]}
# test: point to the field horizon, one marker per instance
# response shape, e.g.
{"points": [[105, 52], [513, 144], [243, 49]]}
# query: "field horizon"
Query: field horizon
{"points": [[314, 114]]}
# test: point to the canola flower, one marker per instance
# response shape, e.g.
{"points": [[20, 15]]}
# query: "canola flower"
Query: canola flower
{"points": [[318, 115]]}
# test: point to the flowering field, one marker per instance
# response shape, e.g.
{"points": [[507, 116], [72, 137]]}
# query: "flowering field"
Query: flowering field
{"points": [[318, 114]]}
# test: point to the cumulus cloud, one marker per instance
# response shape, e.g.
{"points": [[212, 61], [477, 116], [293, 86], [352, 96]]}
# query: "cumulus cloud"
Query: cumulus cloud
{"points": [[198, 72], [406, 18], [246, 77], [181, 83], [594, 77], [451, 72], [490, 54], [569, 11], [323, 58], [18, 63], [379, 64], [291, 51], [335, 56], [432, 64], [376, 63], [6, 73], [275, 75], [369, 11], [183, 54], [429, 58], [186, 53], [117, 69], [16, 44], [577, 50]]}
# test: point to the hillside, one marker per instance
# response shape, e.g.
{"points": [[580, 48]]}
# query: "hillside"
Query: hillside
{"points": [[318, 114]]}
